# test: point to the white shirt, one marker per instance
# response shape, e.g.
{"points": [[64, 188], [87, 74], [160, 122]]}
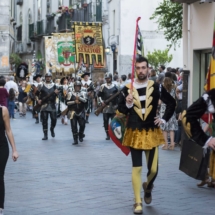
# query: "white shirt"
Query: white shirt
{"points": [[180, 88], [11, 84]]}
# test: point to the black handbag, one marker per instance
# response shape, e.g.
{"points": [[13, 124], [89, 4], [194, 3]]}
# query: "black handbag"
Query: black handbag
{"points": [[193, 161]]}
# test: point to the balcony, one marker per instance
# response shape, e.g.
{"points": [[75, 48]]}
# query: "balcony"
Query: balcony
{"points": [[50, 27], [19, 2], [41, 28], [19, 33], [64, 22]]}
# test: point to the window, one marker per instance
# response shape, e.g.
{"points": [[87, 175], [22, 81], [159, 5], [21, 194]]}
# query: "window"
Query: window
{"points": [[60, 3], [72, 2], [20, 18], [12, 8], [29, 17], [39, 10], [48, 11]]}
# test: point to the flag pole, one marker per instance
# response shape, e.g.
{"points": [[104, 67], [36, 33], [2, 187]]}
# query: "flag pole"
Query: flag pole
{"points": [[134, 54]]}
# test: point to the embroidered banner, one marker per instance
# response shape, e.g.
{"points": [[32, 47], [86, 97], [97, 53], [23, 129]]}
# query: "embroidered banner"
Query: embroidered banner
{"points": [[60, 53], [89, 43]]}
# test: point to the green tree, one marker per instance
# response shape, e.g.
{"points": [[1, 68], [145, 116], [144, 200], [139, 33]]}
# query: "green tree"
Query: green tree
{"points": [[169, 16], [15, 59], [159, 57]]}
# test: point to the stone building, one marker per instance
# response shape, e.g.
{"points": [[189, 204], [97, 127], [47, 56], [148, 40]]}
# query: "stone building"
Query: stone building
{"points": [[37, 18], [6, 35]]}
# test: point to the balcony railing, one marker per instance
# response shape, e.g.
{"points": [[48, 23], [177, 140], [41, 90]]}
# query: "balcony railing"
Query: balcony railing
{"points": [[41, 28], [31, 30], [19, 33], [64, 22], [19, 2], [50, 27]]}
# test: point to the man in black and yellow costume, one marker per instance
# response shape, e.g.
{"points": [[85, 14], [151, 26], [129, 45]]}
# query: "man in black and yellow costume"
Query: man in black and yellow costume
{"points": [[142, 129], [190, 117]]}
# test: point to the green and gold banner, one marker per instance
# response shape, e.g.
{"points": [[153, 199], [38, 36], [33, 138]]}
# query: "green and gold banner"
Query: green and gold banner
{"points": [[60, 53], [89, 43]]}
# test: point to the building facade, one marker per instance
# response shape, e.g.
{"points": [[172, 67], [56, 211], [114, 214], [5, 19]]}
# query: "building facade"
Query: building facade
{"points": [[198, 25], [6, 35], [122, 20], [38, 18]]}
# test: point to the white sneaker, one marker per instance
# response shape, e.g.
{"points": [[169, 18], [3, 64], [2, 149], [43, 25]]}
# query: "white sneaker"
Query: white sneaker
{"points": [[1, 212]]}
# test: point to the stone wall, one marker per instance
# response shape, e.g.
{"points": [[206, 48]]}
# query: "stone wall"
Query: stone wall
{"points": [[4, 37]]}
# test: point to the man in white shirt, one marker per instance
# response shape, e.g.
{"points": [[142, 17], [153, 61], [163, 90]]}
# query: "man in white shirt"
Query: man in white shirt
{"points": [[11, 84]]}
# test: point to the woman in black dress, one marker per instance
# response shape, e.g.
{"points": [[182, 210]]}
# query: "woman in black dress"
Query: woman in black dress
{"points": [[4, 150]]}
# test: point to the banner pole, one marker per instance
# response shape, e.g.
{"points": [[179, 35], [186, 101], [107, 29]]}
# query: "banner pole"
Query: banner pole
{"points": [[134, 54]]}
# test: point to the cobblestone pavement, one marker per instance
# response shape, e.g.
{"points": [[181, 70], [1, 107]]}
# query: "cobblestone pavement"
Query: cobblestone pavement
{"points": [[55, 178]]}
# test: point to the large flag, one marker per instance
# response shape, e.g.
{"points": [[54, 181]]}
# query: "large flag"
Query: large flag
{"points": [[140, 47], [210, 79]]}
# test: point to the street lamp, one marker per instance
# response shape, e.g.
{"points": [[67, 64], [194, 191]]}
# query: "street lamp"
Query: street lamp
{"points": [[107, 50]]}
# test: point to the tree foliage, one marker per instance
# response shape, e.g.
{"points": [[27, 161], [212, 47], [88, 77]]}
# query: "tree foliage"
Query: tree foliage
{"points": [[159, 57], [15, 59], [169, 16]]}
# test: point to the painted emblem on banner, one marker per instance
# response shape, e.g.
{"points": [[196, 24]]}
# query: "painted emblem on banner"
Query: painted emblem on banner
{"points": [[88, 37], [65, 53], [89, 43]]}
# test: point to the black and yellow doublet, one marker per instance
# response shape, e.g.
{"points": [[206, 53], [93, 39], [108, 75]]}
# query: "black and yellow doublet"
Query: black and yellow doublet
{"points": [[192, 127], [141, 132]]}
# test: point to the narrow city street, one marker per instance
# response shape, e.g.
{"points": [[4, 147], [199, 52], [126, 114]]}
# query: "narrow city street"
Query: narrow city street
{"points": [[56, 178]]}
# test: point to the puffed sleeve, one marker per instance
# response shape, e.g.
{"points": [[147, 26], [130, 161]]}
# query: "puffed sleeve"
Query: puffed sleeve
{"points": [[122, 108], [191, 124]]}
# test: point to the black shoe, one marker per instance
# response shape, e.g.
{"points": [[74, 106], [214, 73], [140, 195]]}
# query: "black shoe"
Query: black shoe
{"points": [[147, 193], [87, 117], [107, 137], [81, 137], [52, 132], [37, 121], [75, 137], [45, 136]]}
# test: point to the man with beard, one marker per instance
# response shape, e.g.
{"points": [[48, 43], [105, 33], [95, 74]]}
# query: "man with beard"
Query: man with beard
{"points": [[142, 130], [88, 84], [34, 98], [76, 104], [47, 97], [106, 91]]}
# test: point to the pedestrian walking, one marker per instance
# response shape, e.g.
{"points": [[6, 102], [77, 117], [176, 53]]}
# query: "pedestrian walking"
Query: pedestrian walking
{"points": [[5, 130], [11, 84], [106, 91], [172, 125], [3, 93], [76, 101], [48, 91], [142, 130], [11, 103], [22, 97]]}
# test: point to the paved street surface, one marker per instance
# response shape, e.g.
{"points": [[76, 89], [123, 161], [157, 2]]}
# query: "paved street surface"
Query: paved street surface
{"points": [[55, 178]]}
